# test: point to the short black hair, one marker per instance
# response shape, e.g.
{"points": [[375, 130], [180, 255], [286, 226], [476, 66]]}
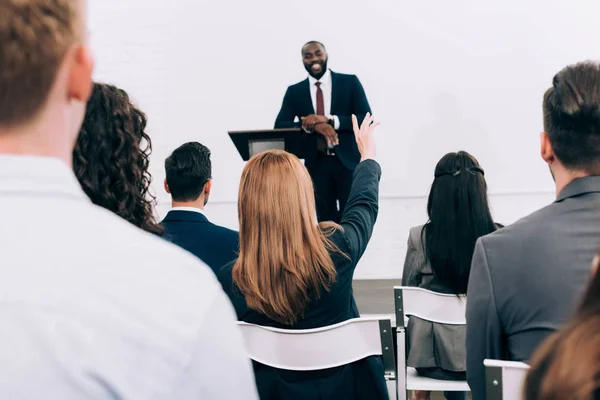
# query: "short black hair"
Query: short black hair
{"points": [[313, 42], [188, 169], [572, 116]]}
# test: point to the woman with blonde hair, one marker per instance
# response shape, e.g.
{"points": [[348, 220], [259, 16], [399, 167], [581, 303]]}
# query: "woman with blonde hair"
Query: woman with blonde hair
{"points": [[567, 365], [294, 273]]}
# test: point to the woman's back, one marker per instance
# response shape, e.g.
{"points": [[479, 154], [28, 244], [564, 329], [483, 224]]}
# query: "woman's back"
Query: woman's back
{"points": [[332, 301], [332, 306], [363, 379], [439, 256]]}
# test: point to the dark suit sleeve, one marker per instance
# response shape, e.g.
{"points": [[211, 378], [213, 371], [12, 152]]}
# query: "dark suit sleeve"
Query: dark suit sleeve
{"points": [[360, 106], [411, 276], [287, 114], [362, 207], [484, 330]]}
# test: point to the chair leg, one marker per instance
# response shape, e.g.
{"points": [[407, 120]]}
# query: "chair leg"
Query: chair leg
{"points": [[401, 363], [392, 388]]}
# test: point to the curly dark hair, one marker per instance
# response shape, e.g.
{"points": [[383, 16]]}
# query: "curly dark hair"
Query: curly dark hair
{"points": [[112, 155]]}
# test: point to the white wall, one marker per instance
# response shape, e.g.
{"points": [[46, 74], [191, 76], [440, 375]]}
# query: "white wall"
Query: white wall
{"points": [[441, 76]]}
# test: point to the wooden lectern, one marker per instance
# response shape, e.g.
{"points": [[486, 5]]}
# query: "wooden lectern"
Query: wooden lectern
{"points": [[250, 143]]}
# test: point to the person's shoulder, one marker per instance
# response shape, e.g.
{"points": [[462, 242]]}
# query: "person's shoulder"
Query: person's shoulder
{"points": [[416, 231], [521, 229], [507, 248], [151, 255], [224, 230], [219, 232], [340, 75], [298, 85]]}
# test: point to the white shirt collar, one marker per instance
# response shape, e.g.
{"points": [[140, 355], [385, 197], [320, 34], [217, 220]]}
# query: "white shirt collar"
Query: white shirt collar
{"points": [[192, 209], [325, 79]]}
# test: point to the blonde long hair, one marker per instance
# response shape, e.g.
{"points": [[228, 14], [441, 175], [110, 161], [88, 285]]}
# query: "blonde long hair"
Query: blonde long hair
{"points": [[284, 261]]}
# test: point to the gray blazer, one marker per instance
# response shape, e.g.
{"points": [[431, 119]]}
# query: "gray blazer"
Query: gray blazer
{"points": [[430, 345], [527, 278]]}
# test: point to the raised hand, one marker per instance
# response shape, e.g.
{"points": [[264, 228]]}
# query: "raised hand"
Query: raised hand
{"points": [[365, 138]]}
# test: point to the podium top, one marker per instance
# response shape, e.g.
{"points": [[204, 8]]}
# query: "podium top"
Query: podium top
{"points": [[249, 143], [268, 132]]}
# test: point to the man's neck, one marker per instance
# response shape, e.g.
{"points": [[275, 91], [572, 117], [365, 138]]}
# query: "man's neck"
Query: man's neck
{"points": [[36, 139], [563, 177], [199, 204]]}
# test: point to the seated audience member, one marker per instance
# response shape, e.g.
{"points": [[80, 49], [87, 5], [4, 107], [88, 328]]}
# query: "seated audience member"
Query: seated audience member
{"points": [[294, 273], [438, 258], [189, 182], [566, 366], [526, 277], [111, 157], [92, 307]]}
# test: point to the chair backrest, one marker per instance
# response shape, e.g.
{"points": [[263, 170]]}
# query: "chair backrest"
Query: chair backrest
{"points": [[430, 306], [321, 348], [504, 379]]}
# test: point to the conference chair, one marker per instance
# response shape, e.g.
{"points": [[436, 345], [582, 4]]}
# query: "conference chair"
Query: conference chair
{"points": [[428, 306], [504, 379], [322, 348]]}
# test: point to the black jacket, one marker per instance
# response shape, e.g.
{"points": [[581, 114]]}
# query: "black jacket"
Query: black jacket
{"points": [[213, 244], [360, 380], [347, 97]]}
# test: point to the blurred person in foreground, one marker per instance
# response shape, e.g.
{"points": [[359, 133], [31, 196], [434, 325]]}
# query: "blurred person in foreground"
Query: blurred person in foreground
{"points": [[92, 307]]}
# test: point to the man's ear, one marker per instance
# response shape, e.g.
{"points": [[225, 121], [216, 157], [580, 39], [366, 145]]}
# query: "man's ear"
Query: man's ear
{"points": [[208, 187], [166, 186], [546, 150], [80, 73]]}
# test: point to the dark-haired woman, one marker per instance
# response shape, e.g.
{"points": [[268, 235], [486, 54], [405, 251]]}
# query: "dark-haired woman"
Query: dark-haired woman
{"points": [[111, 157], [438, 258]]}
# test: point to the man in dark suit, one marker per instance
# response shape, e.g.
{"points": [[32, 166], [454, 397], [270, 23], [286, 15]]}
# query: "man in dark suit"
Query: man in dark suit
{"points": [[189, 182], [323, 105], [527, 278]]}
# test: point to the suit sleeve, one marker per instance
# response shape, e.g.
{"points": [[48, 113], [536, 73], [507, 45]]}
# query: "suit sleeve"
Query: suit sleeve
{"points": [[362, 207], [411, 276], [484, 329], [287, 114], [360, 106]]}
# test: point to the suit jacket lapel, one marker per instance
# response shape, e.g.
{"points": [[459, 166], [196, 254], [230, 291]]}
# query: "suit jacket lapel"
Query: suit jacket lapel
{"points": [[334, 93], [306, 98]]}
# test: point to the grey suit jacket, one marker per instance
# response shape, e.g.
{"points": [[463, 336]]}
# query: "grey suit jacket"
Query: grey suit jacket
{"points": [[527, 278], [430, 345]]}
